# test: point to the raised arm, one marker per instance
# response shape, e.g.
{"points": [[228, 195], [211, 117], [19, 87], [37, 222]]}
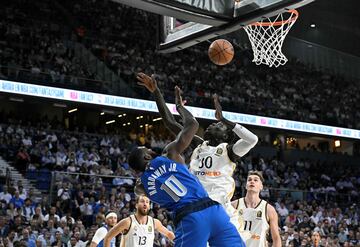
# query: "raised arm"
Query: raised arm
{"points": [[169, 120], [247, 139], [174, 149]]}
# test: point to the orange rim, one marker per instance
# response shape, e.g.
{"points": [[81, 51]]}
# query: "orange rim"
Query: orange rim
{"points": [[278, 23]]}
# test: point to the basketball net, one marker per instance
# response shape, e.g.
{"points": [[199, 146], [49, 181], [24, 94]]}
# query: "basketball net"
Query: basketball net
{"points": [[267, 37]]}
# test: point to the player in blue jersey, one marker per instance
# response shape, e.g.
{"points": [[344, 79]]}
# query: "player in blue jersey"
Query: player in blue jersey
{"points": [[167, 181], [98, 239], [213, 159]]}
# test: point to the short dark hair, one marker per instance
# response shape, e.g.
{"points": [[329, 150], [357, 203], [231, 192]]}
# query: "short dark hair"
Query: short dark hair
{"points": [[257, 173], [136, 159]]}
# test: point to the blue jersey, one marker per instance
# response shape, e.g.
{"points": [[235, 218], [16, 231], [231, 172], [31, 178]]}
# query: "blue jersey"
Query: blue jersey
{"points": [[112, 241], [170, 184]]}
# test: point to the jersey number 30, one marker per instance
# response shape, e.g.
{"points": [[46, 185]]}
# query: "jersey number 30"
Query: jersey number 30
{"points": [[207, 162], [174, 188]]}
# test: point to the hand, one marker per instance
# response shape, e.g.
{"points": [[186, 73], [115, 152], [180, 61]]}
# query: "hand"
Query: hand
{"points": [[147, 81], [178, 98], [218, 108]]}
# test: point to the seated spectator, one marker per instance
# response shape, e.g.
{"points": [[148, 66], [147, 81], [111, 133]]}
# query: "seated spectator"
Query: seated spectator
{"points": [[28, 209], [4, 227], [52, 215], [16, 200], [5, 195]]}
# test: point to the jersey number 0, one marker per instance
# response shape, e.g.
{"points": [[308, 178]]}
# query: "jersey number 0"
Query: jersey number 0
{"points": [[174, 188]]}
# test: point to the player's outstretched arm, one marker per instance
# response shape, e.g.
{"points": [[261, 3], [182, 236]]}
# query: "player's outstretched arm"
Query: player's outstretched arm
{"points": [[248, 139], [151, 85], [274, 226], [169, 120], [183, 139], [163, 230], [116, 230]]}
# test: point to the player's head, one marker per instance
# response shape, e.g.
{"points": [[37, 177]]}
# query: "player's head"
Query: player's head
{"points": [[111, 218], [142, 205], [217, 133], [254, 181], [140, 157], [315, 237]]}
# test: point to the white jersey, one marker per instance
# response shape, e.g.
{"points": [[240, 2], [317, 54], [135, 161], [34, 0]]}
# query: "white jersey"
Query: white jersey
{"points": [[139, 235], [213, 167], [254, 223]]}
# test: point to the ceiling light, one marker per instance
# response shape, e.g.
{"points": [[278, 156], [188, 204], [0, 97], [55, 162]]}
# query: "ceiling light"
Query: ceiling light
{"points": [[110, 122], [157, 119], [17, 99], [72, 110], [60, 105]]}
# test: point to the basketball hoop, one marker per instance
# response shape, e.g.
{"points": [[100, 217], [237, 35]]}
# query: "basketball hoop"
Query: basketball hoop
{"points": [[267, 37]]}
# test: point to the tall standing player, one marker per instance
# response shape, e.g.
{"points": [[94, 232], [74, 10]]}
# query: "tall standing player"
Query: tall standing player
{"points": [[138, 230], [98, 239], [257, 216], [212, 159], [167, 181]]}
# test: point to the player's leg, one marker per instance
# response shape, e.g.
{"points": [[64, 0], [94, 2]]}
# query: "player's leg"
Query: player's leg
{"points": [[223, 232], [193, 230]]}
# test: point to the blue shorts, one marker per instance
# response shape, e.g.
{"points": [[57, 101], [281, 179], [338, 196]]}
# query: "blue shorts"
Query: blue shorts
{"points": [[211, 225]]}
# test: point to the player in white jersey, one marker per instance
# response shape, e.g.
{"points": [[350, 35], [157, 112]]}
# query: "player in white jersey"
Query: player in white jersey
{"points": [[257, 217], [98, 239], [138, 229], [212, 161]]}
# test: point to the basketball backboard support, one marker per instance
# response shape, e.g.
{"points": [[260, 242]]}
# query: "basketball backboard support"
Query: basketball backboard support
{"points": [[178, 33]]}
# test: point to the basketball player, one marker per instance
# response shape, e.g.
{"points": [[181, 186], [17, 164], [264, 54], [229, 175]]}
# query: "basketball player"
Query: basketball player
{"points": [[256, 215], [167, 181], [138, 229], [98, 239], [212, 161]]}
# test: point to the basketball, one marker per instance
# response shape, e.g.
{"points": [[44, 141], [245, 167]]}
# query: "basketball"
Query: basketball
{"points": [[221, 52]]}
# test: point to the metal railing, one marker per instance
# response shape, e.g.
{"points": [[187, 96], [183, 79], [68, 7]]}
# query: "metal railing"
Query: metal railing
{"points": [[58, 177], [304, 195], [271, 194]]}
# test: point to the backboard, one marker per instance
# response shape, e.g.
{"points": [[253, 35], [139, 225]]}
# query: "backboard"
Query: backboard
{"points": [[179, 33]]}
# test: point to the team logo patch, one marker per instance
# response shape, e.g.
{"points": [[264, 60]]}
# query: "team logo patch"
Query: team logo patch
{"points": [[241, 212], [219, 151], [149, 229], [135, 228], [259, 214]]}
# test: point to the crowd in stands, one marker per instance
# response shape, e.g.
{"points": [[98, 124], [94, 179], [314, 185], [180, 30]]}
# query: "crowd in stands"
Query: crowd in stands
{"points": [[33, 46], [80, 201], [122, 37], [38, 50]]}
